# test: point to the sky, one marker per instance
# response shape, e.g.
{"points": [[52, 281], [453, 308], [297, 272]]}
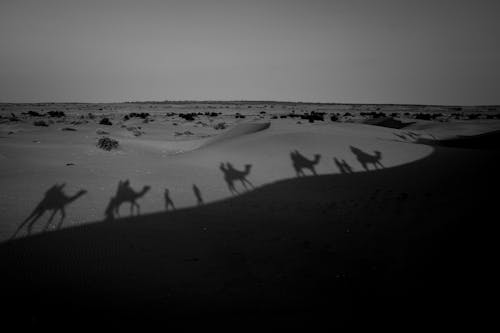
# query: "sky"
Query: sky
{"points": [[346, 51]]}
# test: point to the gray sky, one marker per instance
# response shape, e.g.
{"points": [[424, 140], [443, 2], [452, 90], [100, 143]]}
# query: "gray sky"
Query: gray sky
{"points": [[430, 52]]}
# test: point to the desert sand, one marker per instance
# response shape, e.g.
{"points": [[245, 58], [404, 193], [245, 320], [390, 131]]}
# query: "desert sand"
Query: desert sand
{"points": [[269, 215]]}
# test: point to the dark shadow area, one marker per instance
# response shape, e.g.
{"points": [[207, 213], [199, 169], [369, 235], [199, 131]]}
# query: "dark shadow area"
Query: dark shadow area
{"points": [[54, 200], [382, 249], [232, 175], [343, 166], [197, 194], [366, 159], [388, 122], [168, 201], [300, 162], [488, 141], [125, 194]]}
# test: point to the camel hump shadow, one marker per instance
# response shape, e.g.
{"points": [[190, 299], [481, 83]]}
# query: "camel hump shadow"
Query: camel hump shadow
{"points": [[365, 159], [125, 193], [232, 174], [301, 162], [54, 200]]}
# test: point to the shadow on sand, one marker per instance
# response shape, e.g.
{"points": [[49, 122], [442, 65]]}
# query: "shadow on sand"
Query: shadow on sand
{"points": [[301, 162], [54, 200], [231, 175], [366, 159], [124, 193], [297, 251]]}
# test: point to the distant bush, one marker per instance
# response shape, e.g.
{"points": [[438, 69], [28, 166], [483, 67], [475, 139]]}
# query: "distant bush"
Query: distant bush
{"points": [[423, 116], [105, 121], [56, 114], [68, 129], [40, 123], [34, 114], [220, 126], [188, 116], [107, 143]]}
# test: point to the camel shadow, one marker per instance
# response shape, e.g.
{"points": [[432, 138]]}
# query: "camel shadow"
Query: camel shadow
{"points": [[231, 175], [125, 193], [54, 200], [366, 159], [300, 162], [343, 166]]}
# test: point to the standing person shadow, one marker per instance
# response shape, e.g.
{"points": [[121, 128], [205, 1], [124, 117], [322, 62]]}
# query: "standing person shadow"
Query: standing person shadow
{"points": [[125, 193], [343, 167], [231, 175], [168, 200], [366, 159], [197, 194], [54, 200], [300, 162]]}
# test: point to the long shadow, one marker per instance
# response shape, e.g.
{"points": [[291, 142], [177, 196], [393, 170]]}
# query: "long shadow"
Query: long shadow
{"points": [[301, 163], [54, 200], [197, 194], [343, 166], [231, 175], [168, 200], [301, 248], [124, 193], [365, 159]]}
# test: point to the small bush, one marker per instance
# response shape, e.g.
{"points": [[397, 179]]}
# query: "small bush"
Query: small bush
{"points": [[105, 121], [56, 114], [40, 123], [220, 126], [107, 143]]}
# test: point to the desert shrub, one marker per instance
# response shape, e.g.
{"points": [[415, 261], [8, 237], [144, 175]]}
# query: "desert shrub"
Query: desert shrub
{"points": [[136, 131], [423, 116], [220, 126], [68, 129], [33, 114], [473, 116], [105, 121], [107, 143], [56, 114], [40, 123], [142, 115]]}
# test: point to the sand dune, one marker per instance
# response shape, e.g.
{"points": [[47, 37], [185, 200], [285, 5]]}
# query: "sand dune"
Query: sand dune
{"points": [[298, 222]]}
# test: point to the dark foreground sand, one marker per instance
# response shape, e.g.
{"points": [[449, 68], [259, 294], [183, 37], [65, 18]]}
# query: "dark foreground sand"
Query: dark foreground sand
{"points": [[399, 247]]}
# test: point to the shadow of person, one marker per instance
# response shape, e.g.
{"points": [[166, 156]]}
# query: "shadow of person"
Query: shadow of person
{"points": [[300, 162], [366, 159], [343, 167], [168, 201], [125, 193], [231, 175], [54, 200], [197, 194]]}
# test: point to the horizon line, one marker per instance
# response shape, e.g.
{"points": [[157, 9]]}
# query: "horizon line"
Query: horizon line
{"points": [[215, 101]]}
